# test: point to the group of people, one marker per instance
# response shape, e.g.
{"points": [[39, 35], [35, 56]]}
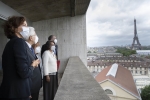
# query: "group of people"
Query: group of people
{"points": [[26, 66]]}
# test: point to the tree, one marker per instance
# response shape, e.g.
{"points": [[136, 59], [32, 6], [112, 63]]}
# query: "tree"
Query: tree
{"points": [[89, 51], [125, 51], [145, 93], [94, 51]]}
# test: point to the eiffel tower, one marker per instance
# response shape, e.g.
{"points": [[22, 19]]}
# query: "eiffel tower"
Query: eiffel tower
{"points": [[138, 45]]}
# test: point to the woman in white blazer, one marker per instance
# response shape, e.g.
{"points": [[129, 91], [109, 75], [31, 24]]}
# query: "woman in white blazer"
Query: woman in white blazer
{"points": [[50, 82]]}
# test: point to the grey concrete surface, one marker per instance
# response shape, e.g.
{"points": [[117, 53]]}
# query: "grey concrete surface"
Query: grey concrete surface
{"points": [[6, 11], [37, 10], [3, 41], [41, 94], [78, 84], [71, 36], [1, 76]]}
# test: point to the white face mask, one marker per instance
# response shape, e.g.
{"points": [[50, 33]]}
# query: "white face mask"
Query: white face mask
{"points": [[53, 48], [24, 33], [38, 49], [36, 39], [55, 41]]}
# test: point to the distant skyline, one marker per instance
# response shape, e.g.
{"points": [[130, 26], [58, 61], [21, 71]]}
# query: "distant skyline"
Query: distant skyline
{"points": [[111, 23]]}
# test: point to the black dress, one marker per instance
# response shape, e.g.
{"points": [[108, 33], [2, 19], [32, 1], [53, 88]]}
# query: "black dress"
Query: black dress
{"points": [[50, 88]]}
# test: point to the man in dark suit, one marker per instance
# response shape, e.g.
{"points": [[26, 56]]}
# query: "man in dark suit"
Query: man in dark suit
{"points": [[31, 38], [17, 67]]}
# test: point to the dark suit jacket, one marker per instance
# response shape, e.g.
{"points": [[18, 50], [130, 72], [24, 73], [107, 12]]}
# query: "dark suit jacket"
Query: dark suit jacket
{"points": [[56, 49], [43, 49], [17, 70], [37, 76]]}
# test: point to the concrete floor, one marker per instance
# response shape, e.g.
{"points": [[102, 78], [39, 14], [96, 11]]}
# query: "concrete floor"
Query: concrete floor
{"points": [[41, 94]]}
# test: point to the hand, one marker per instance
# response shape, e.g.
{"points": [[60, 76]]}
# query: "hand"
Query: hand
{"points": [[30, 97], [35, 63], [47, 78]]}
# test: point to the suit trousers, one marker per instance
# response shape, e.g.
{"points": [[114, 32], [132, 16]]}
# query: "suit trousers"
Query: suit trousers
{"points": [[15, 99], [35, 96]]}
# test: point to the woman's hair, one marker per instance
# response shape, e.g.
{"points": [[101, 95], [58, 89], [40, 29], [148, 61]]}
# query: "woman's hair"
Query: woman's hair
{"points": [[46, 47], [50, 37], [11, 24], [48, 44]]}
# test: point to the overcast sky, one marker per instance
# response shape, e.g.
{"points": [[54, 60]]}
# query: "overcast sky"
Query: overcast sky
{"points": [[111, 22]]}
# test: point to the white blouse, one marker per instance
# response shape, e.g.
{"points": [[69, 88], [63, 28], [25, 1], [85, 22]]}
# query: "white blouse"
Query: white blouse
{"points": [[49, 62]]}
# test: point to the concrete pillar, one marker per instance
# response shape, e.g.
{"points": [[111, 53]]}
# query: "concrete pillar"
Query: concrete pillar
{"points": [[3, 41], [71, 35]]}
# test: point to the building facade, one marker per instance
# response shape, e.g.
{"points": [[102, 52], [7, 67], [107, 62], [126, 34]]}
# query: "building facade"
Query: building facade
{"points": [[136, 65], [118, 83]]}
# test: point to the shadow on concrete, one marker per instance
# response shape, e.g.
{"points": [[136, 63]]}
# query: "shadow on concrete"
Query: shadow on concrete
{"points": [[1, 76]]}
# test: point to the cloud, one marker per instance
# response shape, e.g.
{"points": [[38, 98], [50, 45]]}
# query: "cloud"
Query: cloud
{"points": [[112, 23]]}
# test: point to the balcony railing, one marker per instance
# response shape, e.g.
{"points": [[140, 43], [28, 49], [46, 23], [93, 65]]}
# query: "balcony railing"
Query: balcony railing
{"points": [[78, 84]]}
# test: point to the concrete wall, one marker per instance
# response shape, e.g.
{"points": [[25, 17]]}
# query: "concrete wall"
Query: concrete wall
{"points": [[6, 11], [3, 41], [71, 35]]}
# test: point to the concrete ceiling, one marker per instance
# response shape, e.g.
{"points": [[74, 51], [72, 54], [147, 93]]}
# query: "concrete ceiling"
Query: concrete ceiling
{"points": [[37, 10]]}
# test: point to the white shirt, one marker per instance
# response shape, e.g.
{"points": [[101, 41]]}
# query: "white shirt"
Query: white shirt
{"points": [[49, 62], [29, 45]]}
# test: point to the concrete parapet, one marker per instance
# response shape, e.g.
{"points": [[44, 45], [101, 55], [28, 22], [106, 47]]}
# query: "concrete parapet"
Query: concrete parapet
{"points": [[78, 84]]}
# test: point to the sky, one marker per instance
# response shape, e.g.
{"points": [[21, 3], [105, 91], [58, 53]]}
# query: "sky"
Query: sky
{"points": [[111, 22]]}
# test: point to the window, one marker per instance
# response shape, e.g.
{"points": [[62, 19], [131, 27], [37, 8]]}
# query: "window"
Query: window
{"points": [[136, 72], [108, 91], [145, 73]]}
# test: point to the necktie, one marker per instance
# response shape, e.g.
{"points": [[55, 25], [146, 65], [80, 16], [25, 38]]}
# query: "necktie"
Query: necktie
{"points": [[32, 51], [54, 51]]}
